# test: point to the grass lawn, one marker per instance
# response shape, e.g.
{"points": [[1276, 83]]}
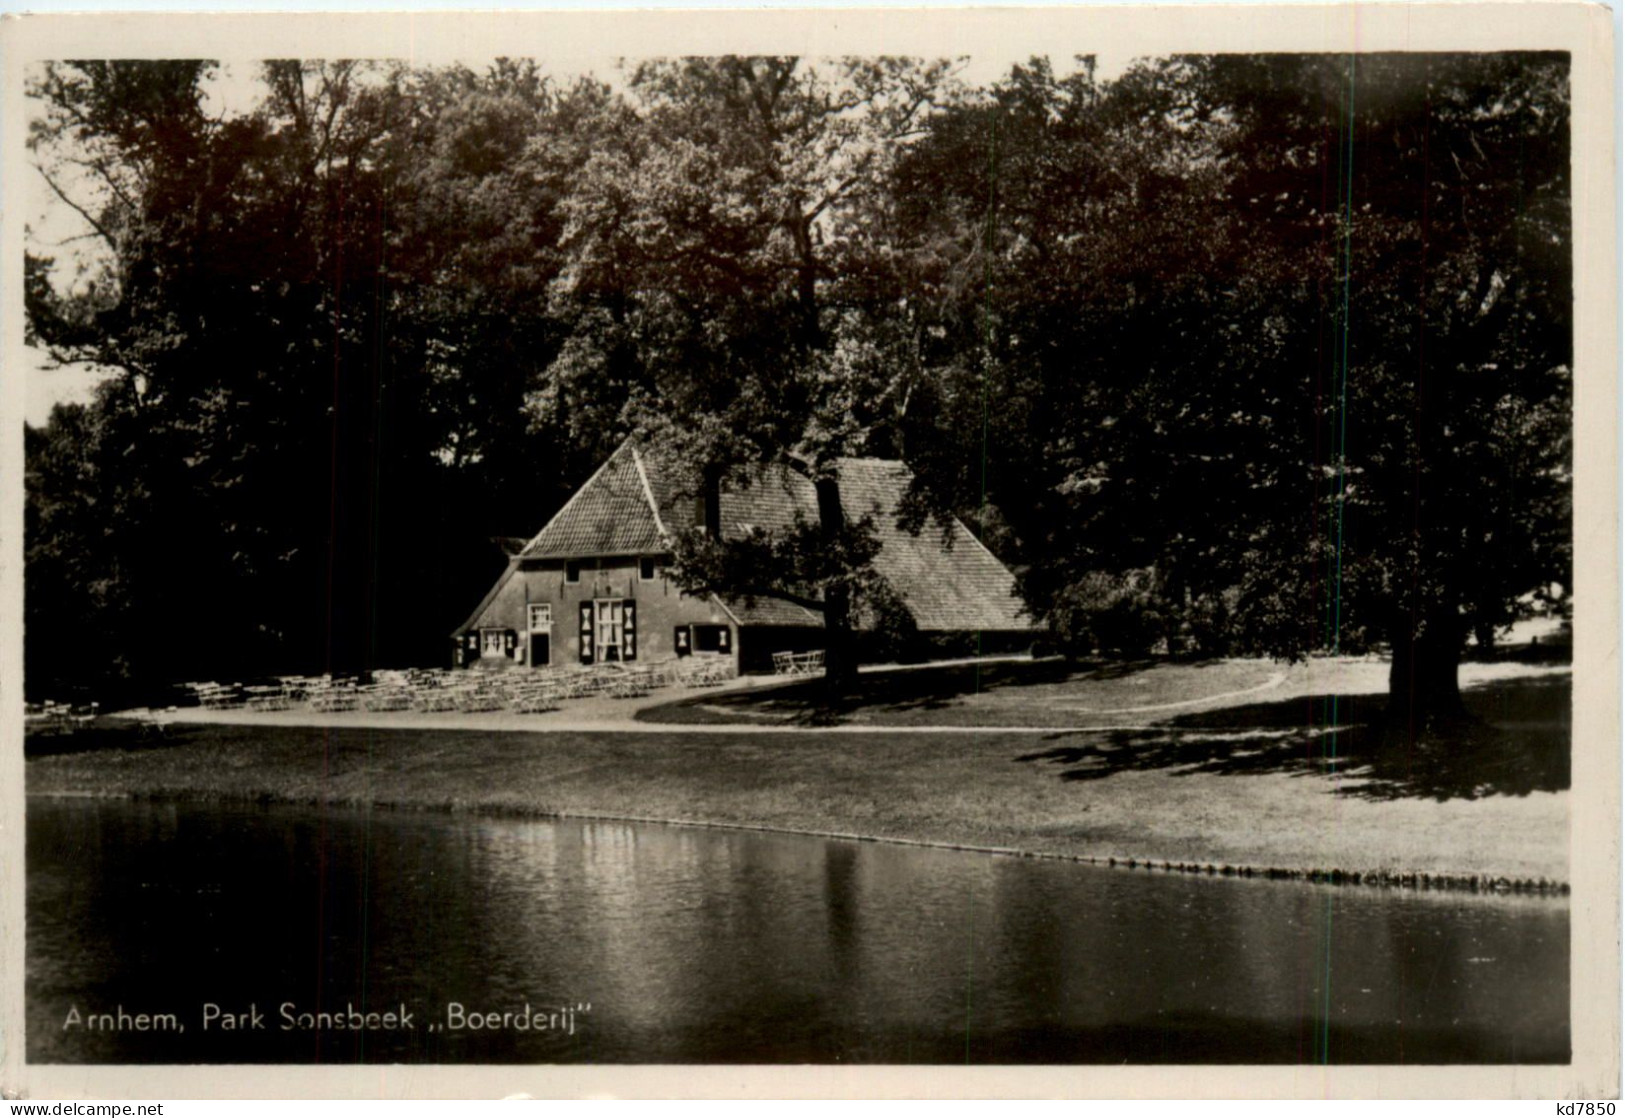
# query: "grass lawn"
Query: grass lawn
{"points": [[1253, 780], [1055, 693], [997, 693]]}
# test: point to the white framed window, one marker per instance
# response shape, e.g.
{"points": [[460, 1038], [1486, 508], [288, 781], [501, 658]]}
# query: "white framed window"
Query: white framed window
{"points": [[648, 569], [609, 630], [540, 618], [491, 642], [611, 617]]}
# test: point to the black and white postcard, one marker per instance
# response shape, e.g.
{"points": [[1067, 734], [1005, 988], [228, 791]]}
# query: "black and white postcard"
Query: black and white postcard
{"points": [[885, 551]]}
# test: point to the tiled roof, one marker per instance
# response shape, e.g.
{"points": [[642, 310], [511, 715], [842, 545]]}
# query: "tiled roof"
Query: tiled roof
{"points": [[609, 515], [772, 611], [952, 586], [769, 501]]}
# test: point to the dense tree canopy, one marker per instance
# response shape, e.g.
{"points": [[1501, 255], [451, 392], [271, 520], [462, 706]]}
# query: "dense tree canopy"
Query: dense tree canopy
{"points": [[728, 266], [1235, 353], [1296, 336], [315, 423]]}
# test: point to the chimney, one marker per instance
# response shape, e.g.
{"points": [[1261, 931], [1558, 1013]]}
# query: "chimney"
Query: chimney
{"points": [[708, 507]]}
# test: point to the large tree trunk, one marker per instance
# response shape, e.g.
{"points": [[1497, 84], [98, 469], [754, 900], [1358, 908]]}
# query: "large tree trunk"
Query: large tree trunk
{"points": [[840, 652], [840, 644], [1424, 695]]}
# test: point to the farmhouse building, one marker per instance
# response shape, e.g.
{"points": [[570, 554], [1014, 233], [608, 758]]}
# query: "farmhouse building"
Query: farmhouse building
{"points": [[591, 587]]}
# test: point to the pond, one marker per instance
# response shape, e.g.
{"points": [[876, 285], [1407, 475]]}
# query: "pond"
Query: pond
{"points": [[192, 933]]}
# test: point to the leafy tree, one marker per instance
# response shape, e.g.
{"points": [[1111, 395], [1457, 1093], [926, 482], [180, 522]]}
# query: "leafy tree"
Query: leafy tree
{"points": [[1076, 299], [1439, 460], [130, 149], [283, 453], [72, 589], [1299, 328], [728, 266]]}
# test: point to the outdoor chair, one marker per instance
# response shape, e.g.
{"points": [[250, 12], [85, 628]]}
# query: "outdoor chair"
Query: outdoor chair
{"points": [[480, 698], [421, 679], [628, 683], [534, 698], [386, 696], [266, 697], [661, 673], [329, 695], [586, 682], [434, 699], [49, 718], [214, 696], [706, 671], [520, 691], [798, 663]]}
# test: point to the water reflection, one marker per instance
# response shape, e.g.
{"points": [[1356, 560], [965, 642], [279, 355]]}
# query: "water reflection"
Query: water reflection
{"points": [[714, 946]]}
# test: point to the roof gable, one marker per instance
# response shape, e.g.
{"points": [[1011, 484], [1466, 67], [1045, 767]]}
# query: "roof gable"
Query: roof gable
{"points": [[612, 514]]}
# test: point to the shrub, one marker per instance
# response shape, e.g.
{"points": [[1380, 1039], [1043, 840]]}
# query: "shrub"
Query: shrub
{"points": [[1115, 614]]}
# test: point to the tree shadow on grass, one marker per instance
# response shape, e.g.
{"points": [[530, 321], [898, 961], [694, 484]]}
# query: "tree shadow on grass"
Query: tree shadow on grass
{"points": [[1520, 745], [939, 688], [893, 692]]}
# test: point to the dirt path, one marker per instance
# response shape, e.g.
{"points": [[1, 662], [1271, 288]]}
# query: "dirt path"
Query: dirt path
{"points": [[536, 723], [1269, 684]]}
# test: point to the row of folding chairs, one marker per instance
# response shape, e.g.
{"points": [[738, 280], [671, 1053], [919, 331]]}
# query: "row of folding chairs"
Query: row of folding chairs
{"points": [[798, 663], [51, 717], [704, 671], [436, 690]]}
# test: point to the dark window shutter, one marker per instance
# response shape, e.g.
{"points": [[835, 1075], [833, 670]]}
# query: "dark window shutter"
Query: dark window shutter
{"points": [[680, 640], [586, 633], [629, 632], [510, 641], [722, 638]]}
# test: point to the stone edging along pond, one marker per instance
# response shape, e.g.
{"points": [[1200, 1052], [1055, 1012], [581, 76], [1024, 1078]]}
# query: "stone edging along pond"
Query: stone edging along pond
{"points": [[1389, 879], [1392, 879]]}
